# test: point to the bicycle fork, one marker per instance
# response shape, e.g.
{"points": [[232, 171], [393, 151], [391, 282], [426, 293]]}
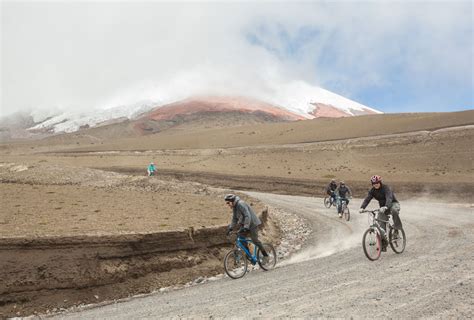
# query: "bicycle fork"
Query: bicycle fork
{"points": [[379, 233], [373, 240]]}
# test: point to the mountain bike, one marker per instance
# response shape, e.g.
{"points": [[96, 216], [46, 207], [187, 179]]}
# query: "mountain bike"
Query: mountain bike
{"points": [[375, 238], [346, 213], [236, 260], [329, 201]]}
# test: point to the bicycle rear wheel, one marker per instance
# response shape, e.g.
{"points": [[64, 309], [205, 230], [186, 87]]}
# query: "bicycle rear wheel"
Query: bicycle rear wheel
{"points": [[397, 242], [269, 262], [235, 264], [372, 244], [346, 213], [327, 202]]}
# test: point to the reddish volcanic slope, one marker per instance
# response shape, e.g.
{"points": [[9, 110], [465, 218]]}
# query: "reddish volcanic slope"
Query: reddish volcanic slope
{"points": [[326, 110], [219, 104], [222, 111], [322, 110]]}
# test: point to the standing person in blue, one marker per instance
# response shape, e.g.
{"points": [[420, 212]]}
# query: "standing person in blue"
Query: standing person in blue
{"points": [[151, 169], [244, 217], [343, 193], [388, 205], [331, 189]]}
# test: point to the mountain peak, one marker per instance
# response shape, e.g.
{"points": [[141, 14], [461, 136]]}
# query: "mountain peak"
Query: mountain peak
{"points": [[290, 101]]}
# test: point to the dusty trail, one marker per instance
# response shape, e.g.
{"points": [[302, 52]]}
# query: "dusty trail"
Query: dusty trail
{"points": [[331, 277]]}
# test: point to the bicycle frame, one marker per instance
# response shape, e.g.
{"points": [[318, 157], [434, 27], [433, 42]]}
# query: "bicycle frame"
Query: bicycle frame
{"points": [[341, 200], [241, 243], [387, 235], [375, 222]]}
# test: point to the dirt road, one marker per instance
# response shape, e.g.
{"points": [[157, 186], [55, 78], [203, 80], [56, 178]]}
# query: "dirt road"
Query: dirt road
{"points": [[330, 276]]}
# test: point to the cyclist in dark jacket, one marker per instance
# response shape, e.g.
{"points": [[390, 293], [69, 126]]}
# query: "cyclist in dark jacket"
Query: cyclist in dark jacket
{"points": [[388, 203], [343, 193], [245, 218], [331, 188]]}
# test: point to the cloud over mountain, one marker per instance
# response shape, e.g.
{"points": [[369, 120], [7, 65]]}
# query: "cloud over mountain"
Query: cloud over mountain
{"points": [[86, 55]]}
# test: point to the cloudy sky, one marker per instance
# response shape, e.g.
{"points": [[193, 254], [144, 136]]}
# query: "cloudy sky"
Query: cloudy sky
{"points": [[399, 56]]}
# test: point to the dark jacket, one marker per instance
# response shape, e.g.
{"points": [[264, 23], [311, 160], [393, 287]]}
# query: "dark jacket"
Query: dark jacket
{"points": [[343, 191], [384, 195], [331, 187], [244, 215]]}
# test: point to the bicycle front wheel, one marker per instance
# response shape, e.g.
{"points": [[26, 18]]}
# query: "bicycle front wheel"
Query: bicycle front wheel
{"points": [[327, 202], [235, 264], [372, 244], [346, 213], [268, 262], [397, 240]]}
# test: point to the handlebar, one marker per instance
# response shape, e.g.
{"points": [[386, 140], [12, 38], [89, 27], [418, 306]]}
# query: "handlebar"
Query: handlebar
{"points": [[374, 212]]}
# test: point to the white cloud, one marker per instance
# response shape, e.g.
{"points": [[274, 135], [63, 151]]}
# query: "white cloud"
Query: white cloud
{"points": [[82, 55]]}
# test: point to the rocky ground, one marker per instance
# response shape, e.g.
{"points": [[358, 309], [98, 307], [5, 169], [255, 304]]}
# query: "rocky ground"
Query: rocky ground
{"points": [[436, 162], [53, 201], [331, 278], [85, 184], [45, 199]]}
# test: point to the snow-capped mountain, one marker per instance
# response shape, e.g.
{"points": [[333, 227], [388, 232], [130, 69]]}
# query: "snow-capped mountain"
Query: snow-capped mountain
{"points": [[296, 100]]}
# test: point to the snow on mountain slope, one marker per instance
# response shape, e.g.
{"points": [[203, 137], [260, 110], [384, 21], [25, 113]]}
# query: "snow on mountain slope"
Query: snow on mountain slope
{"points": [[302, 98], [295, 97], [71, 121]]}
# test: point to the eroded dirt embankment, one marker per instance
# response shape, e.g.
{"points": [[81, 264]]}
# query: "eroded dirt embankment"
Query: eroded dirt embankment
{"points": [[70, 236], [76, 262], [51, 273]]}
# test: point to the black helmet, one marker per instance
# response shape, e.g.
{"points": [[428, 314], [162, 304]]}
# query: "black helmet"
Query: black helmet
{"points": [[230, 197]]}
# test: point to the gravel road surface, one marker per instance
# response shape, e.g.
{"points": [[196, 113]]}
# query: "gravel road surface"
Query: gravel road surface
{"points": [[330, 276]]}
